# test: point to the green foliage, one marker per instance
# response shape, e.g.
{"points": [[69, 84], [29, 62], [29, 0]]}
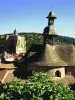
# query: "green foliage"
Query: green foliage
{"points": [[37, 38], [38, 87], [40, 83], [33, 39], [65, 40], [61, 92]]}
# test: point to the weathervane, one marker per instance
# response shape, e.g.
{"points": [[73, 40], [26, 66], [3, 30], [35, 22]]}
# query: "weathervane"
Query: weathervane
{"points": [[52, 7]]}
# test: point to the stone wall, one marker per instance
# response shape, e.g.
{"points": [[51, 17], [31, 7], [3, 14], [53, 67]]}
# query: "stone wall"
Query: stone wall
{"points": [[57, 72], [70, 70], [54, 72], [38, 68]]}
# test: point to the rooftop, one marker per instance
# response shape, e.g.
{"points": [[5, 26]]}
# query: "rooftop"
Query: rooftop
{"points": [[57, 55], [7, 66], [51, 15]]}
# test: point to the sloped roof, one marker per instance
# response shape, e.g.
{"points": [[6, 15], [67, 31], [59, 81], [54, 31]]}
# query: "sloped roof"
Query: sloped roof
{"points": [[8, 77], [47, 58], [51, 15], [7, 66], [57, 55], [49, 30], [66, 53], [2, 74]]}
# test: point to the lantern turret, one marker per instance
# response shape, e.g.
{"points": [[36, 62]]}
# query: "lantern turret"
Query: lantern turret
{"points": [[50, 31], [51, 18]]}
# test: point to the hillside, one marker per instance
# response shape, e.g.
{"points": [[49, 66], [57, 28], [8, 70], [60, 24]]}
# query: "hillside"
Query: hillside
{"points": [[37, 38]]}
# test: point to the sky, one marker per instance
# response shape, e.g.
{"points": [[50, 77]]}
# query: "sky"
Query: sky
{"points": [[30, 16]]}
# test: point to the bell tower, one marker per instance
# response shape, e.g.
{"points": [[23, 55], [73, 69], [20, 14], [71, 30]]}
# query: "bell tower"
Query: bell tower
{"points": [[50, 31]]}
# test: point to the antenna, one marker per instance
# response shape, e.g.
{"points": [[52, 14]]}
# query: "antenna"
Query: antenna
{"points": [[53, 6]]}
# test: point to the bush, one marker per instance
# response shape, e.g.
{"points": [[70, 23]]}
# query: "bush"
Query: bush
{"points": [[38, 87]]}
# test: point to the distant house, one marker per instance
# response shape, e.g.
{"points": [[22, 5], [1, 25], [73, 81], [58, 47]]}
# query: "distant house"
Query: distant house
{"points": [[15, 44]]}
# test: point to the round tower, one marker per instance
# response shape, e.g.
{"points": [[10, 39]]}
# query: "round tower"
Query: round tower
{"points": [[50, 31]]}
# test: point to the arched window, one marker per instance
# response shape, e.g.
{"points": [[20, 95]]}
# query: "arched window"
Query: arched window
{"points": [[57, 73]]}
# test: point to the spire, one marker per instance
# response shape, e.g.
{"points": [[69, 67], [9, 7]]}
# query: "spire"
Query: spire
{"points": [[51, 15], [50, 31], [15, 32]]}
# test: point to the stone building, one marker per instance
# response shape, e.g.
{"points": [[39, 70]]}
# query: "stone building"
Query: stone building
{"points": [[15, 44], [58, 60]]}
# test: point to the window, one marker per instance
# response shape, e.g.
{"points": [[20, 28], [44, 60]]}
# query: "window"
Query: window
{"points": [[51, 21], [18, 42], [57, 73]]}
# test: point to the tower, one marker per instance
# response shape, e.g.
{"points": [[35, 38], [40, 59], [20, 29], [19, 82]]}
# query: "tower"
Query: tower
{"points": [[21, 45], [49, 31], [15, 44]]}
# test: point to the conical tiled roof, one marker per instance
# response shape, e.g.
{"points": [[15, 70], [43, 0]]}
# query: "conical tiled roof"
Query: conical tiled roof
{"points": [[49, 58], [50, 30], [66, 53], [51, 15], [57, 55]]}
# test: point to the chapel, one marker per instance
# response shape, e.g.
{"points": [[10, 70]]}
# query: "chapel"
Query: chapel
{"points": [[57, 59]]}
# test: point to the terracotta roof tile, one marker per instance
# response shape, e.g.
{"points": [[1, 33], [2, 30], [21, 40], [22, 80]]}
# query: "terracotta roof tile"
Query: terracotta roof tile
{"points": [[2, 74], [9, 77], [7, 66]]}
